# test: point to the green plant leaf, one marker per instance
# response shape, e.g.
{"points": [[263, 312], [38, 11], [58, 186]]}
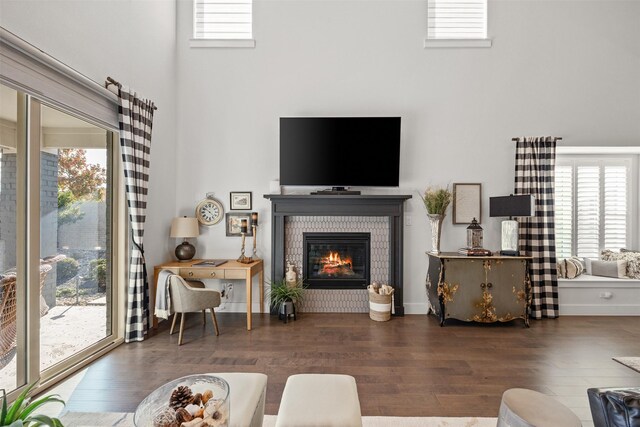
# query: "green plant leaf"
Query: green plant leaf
{"points": [[36, 404], [18, 405], [43, 419], [3, 413], [16, 423]]}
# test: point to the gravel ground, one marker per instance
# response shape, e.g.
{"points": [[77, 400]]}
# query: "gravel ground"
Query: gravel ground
{"points": [[65, 330]]}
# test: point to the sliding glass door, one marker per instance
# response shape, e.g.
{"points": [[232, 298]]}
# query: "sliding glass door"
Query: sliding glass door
{"points": [[12, 297], [57, 240]]}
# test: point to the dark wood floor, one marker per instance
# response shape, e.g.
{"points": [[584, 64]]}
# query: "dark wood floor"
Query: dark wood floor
{"points": [[409, 366]]}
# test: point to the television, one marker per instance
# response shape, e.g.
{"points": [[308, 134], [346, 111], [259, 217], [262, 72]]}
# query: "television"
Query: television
{"points": [[340, 151]]}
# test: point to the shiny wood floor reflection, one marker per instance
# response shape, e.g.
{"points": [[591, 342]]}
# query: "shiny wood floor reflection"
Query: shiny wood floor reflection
{"points": [[409, 366]]}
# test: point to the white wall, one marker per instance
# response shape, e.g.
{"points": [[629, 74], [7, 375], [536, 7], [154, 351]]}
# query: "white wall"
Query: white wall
{"points": [[132, 41], [565, 68]]}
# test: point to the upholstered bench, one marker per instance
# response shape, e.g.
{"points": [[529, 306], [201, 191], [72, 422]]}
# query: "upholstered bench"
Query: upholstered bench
{"points": [[527, 408], [247, 393], [325, 400]]}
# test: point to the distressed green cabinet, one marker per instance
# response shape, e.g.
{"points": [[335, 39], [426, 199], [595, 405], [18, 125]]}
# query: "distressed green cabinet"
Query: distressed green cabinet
{"points": [[478, 289]]}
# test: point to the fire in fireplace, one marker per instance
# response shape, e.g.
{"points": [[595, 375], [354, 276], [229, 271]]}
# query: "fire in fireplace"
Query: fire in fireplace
{"points": [[337, 260]]}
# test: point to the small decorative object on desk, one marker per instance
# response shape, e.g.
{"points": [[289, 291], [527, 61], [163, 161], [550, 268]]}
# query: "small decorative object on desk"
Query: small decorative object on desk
{"points": [[380, 301], [436, 200], [243, 230], [474, 235], [474, 252], [194, 400]]}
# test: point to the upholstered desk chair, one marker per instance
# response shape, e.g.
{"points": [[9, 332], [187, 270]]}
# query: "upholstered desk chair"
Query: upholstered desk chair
{"points": [[189, 297]]}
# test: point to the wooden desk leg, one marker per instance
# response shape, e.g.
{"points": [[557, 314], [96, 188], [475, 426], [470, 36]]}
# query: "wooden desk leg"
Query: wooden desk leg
{"points": [[261, 284], [248, 279]]}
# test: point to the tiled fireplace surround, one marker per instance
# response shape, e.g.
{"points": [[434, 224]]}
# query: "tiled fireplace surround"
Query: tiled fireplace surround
{"points": [[338, 300], [382, 216]]}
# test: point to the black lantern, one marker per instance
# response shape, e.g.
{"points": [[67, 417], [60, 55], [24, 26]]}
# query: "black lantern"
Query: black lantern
{"points": [[474, 235]]}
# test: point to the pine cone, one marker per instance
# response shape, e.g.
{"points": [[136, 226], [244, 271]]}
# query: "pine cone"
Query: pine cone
{"points": [[180, 397]]}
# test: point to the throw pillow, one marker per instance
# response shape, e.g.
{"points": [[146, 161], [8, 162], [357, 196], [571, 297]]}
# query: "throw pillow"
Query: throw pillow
{"points": [[615, 269], [570, 268], [632, 258]]}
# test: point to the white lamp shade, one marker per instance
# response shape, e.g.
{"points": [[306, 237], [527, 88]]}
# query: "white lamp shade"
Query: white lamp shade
{"points": [[184, 227]]}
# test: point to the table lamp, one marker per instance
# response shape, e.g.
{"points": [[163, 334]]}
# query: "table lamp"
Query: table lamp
{"points": [[183, 227], [511, 206]]}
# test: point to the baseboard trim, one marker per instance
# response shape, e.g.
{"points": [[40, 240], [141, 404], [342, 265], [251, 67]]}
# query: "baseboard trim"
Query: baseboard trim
{"points": [[415, 308]]}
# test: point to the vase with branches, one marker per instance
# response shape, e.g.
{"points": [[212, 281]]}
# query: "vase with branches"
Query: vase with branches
{"points": [[436, 200]]}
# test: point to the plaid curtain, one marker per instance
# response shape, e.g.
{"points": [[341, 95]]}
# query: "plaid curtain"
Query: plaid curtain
{"points": [[535, 174], [136, 118]]}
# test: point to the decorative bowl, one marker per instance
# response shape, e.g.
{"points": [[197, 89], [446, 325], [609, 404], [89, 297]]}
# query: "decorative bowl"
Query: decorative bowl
{"points": [[156, 405]]}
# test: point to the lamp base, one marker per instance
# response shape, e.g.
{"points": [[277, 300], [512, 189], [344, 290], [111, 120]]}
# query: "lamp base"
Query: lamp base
{"points": [[509, 236], [509, 253], [185, 251]]}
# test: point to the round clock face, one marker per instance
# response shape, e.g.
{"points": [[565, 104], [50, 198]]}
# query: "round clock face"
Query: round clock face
{"points": [[209, 212]]}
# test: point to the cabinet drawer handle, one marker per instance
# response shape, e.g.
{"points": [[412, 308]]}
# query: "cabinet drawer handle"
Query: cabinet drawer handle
{"points": [[489, 285], [213, 274], [190, 273], [482, 285]]}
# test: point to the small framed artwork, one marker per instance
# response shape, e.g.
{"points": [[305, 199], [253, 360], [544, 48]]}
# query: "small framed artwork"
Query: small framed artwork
{"points": [[234, 222], [467, 203], [240, 200]]}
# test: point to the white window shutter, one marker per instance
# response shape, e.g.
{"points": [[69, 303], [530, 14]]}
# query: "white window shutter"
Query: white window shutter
{"points": [[457, 19], [222, 19], [592, 206], [564, 211], [588, 211], [615, 207]]}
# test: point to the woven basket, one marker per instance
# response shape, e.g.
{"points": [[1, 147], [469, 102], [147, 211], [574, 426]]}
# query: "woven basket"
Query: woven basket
{"points": [[379, 307]]}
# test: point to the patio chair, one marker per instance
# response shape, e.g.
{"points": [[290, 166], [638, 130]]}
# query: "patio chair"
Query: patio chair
{"points": [[8, 307], [188, 298]]}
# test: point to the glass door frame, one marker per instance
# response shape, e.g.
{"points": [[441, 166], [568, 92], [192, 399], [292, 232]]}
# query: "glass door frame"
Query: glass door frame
{"points": [[28, 140]]}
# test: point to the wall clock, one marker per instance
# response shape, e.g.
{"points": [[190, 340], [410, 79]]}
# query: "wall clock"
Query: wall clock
{"points": [[209, 211]]}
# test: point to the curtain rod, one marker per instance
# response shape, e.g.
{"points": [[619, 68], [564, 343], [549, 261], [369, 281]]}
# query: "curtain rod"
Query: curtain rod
{"points": [[111, 81], [557, 138]]}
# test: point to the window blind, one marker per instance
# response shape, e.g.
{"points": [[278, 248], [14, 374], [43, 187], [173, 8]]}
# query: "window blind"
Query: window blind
{"points": [[615, 207], [222, 19], [457, 19], [592, 207], [564, 211]]}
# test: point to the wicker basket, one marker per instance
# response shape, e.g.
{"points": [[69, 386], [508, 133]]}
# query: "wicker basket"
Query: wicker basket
{"points": [[379, 307]]}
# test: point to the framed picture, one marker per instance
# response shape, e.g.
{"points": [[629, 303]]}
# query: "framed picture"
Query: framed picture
{"points": [[467, 203], [240, 200], [234, 222]]}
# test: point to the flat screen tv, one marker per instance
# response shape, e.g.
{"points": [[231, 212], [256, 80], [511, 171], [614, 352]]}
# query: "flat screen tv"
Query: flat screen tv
{"points": [[340, 151]]}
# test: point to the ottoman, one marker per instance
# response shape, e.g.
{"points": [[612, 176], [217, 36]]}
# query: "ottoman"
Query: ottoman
{"points": [[527, 408], [325, 400], [247, 398]]}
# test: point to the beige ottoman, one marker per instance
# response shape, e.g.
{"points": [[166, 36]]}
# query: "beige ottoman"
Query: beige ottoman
{"points": [[319, 400], [527, 408], [247, 398]]}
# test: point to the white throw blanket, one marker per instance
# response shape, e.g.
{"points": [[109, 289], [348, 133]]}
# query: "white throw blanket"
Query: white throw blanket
{"points": [[163, 296]]}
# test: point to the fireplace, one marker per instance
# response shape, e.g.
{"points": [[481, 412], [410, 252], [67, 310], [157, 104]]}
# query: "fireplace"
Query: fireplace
{"points": [[337, 260]]}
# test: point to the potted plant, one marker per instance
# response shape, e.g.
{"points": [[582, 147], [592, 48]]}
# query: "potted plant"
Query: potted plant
{"points": [[436, 200], [20, 412], [282, 293]]}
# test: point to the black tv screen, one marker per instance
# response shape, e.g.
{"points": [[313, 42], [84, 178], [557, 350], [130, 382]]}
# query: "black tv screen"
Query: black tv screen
{"points": [[340, 151]]}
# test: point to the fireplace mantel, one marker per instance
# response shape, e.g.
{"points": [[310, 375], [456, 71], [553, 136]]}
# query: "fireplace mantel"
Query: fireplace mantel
{"points": [[391, 206]]}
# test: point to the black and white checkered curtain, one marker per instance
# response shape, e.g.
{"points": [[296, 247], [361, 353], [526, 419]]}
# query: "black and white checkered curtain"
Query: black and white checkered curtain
{"points": [[535, 174], [136, 118]]}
